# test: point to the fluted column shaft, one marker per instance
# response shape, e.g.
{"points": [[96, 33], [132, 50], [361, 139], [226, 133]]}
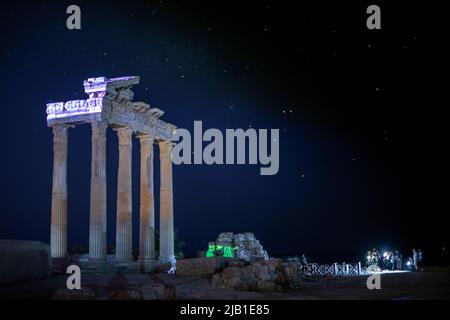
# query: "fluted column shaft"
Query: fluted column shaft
{"points": [[166, 240], [124, 201], [58, 233], [146, 210], [97, 225]]}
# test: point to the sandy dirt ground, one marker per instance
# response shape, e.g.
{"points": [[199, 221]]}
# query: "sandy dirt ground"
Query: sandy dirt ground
{"points": [[430, 284]]}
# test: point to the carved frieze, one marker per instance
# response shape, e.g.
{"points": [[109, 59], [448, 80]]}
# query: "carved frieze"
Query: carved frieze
{"points": [[110, 100]]}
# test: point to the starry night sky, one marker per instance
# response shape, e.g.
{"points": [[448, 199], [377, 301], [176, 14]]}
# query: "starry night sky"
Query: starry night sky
{"points": [[359, 113]]}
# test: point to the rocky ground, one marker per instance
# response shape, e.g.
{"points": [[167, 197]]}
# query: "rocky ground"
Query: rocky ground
{"points": [[430, 284]]}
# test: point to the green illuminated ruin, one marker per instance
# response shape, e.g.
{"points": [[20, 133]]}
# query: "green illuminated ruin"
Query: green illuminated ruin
{"points": [[219, 250], [211, 250], [228, 252]]}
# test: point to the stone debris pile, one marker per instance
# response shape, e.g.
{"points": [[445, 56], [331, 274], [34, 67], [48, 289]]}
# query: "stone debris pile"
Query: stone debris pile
{"points": [[245, 245], [266, 275]]}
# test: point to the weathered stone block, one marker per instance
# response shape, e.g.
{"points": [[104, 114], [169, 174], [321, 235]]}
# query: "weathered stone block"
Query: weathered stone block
{"points": [[23, 260], [268, 275], [261, 272], [161, 267], [288, 275], [267, 286], [198, 266], [273, 264]]}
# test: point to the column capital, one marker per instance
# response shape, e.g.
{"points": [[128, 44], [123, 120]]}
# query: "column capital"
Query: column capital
{"points": [[165, 148], [60, 132], [145, 139], [124, 134], [99, 128]]}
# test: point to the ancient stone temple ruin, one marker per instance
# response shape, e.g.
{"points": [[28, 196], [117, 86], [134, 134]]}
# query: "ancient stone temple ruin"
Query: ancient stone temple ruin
{"points": [[110, 104], [239, 245]]}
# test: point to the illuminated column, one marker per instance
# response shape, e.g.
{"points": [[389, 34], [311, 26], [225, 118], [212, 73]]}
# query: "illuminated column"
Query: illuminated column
{"points": [[146, 212], [97, 225], [166, 245], [58, 233], [124, 203]]}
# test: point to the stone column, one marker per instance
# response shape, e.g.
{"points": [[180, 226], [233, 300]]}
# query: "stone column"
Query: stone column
{"points": [[166, 245], [97, 225], [58, 233], [146, 212], [124, 202]]}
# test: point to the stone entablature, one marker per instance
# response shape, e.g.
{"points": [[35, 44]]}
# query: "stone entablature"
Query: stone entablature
{"points": [[110, 100]]}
